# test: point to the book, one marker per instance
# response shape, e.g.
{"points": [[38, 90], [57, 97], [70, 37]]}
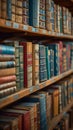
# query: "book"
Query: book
{"points": [[7, 57], [7, 50], [27, 54], [9, 64], [7, 85], [34, 13], [7, 91], [42, 63], [48, 62], [7, 79], [7, 72], [35, 64], [55, 99]]}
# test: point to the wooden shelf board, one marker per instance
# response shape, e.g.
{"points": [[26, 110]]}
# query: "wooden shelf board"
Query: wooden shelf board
{"points": [[27, 91], [57, 119], [20, 29]]}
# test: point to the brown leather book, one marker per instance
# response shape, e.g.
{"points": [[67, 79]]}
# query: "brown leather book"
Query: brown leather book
{"points": [[7, 57], [35, 64], [7, 72]]}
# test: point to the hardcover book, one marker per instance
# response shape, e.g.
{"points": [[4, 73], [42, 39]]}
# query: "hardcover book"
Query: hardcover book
{"points": [[27, 48]]}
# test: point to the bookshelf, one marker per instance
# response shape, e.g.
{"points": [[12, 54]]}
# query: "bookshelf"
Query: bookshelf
{"points": [[57, 119], [27, 91], [26, 30], [13, 30]]}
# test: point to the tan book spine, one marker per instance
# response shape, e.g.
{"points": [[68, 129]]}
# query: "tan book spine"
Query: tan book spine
{"points": [[7, 72]]}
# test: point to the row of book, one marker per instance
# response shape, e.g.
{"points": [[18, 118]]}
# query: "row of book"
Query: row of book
{"points": [[38, 13], [37, 110], [26, 64], [66, 122]]}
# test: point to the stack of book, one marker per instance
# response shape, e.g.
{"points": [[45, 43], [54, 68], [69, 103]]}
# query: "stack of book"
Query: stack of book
{"points": [[7, 70], [37, 110]]}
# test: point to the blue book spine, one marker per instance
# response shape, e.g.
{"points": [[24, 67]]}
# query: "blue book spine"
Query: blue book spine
{"points": [[8, 64], [51, 63], [34, 13], [43, 118], [8, 50], [9, 10], [47, 63]]}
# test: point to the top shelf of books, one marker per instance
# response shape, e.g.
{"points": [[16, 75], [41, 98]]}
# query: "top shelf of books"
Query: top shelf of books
{"points": [[23, 30], [50, 18]]}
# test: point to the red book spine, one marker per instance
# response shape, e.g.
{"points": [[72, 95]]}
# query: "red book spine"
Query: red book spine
{"points": [[7, 79], [25, 62], [27, 58], [26, 122]]}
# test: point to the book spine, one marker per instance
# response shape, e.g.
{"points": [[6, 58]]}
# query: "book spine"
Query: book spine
{"points": [[7, 85], [8, 64], [3, 9], [9, 10], [7, 79], [27, 47], [7, 72], [7, 57], [48, 63], [7, 91], [7, 50], [35, 61], [51, 63], [34, 13]]}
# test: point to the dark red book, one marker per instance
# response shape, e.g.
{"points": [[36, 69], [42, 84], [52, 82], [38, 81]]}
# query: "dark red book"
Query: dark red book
{"points": [[27, 58]]}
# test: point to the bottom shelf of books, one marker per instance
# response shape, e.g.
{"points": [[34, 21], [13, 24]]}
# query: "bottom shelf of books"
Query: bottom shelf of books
{"points": [[41, 110], [27, 91]]}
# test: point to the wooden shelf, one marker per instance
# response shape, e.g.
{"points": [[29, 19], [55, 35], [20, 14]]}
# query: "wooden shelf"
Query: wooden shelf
{"points": [[57, 119], [24, 30], [27, 91]]}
